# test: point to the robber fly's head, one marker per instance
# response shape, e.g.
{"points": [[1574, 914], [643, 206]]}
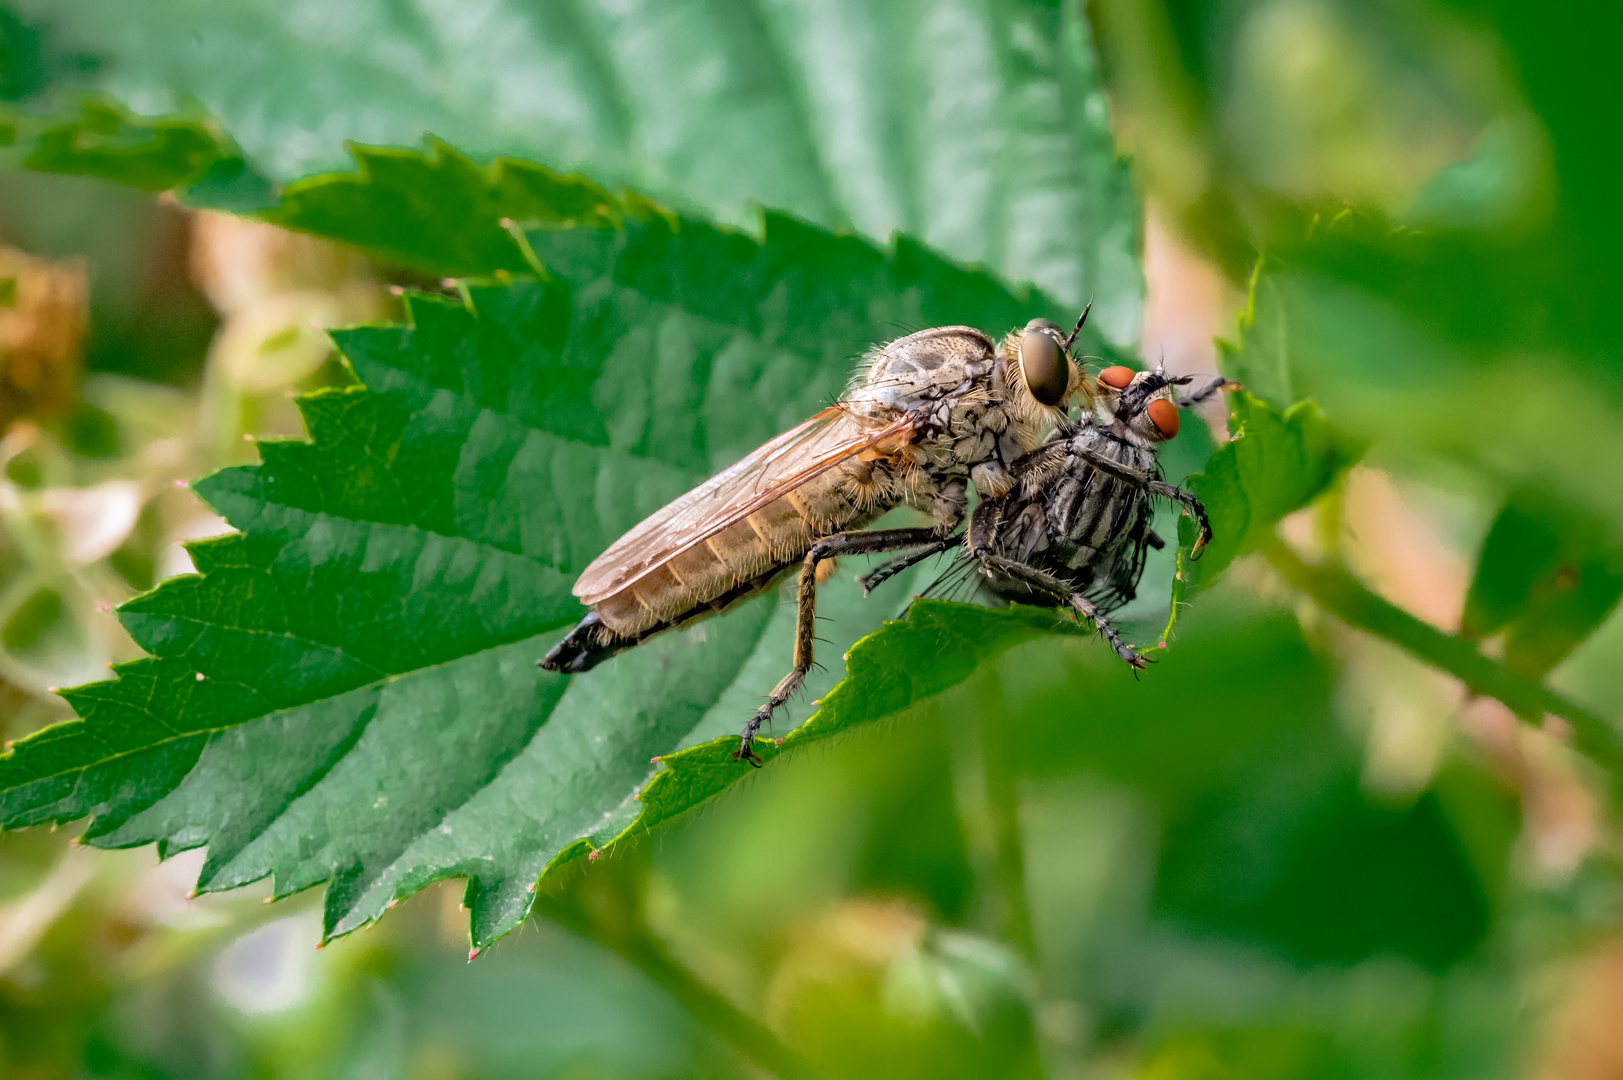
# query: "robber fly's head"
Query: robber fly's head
{"points": [[1142, 402], [1048, 372]]}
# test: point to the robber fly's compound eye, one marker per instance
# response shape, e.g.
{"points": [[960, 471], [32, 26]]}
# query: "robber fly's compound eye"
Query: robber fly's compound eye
{"points": [[1118, 377], [1043, 364], [1164, 415]]}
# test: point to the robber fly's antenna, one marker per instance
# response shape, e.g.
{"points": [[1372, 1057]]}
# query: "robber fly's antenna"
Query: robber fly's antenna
{"points": [[1079, 323]]}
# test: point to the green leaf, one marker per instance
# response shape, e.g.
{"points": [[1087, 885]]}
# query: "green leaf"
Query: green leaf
{"points": [[1275, 464], [1259, 359], [934, 648], [980, 128], [438, 211], [97, 138], [346, 692], [1281, 456], [1296, 857], [1548, 576]]}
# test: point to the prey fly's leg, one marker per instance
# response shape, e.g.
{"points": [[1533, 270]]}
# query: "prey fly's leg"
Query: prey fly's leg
{"points": [[1206, 391], [1203, 533], [877, 577], [1052, 586], [870, 542]]}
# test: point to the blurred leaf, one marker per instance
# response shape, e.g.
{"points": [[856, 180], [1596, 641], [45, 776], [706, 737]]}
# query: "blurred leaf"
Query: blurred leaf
{"points": [[1297, 858], [1253, 1053], [981, 129], [1548, 575], [1259, 359], [348, 691], [99, 139], [1199, 718], [872, 992], [1276, 463], [1234, 743]]}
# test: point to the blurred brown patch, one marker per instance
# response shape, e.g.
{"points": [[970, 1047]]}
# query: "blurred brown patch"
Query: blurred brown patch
{"points": [[44, 313], [1584, 1040], [1188, 303], [1401, 554]]}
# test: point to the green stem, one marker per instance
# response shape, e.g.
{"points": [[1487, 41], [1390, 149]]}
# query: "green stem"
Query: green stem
{"points": [[1003, 810], [747, 1035], [1342, 595], [608, 911]]}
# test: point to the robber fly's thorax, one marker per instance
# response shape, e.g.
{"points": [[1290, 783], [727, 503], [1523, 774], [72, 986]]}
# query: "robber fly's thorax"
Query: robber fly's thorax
{"points": [[973, 415]]}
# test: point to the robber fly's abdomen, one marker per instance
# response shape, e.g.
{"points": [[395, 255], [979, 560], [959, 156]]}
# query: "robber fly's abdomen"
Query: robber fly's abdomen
{"points": [[751, 550]]}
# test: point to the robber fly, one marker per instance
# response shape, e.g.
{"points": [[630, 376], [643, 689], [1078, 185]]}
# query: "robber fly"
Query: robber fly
{"points": [[926, 416], [1074, 530]]}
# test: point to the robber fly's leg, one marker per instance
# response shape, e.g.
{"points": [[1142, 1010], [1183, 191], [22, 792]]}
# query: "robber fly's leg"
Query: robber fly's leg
{"points": [[1052, 586], [1206, 391], [877, 577], [830, 547], [1203, 527]]}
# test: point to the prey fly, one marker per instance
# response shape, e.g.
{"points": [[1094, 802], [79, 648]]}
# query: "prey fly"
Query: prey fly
{"points": [[926, 416], [1074, 529]]}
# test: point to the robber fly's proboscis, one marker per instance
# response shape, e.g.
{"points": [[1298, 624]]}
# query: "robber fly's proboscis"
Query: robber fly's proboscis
{"points": [[926, 416]]}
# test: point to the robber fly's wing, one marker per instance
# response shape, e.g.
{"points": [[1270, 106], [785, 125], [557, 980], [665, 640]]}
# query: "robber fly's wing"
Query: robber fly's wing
{"points": [[774, 469]]}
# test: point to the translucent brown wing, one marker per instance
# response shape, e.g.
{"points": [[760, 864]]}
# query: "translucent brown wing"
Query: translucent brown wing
{"points": [[788, 461]]}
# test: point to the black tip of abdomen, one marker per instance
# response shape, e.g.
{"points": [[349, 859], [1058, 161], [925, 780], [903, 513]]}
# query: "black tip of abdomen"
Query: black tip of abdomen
{"points": [[580, 650]]}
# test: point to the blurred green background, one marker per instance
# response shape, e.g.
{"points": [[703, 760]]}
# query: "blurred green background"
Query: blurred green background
{"points": [[1289, 850]]}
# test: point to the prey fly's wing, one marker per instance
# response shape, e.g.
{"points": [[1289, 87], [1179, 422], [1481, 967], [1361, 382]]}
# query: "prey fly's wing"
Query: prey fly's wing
{"points": [[762, 476]]}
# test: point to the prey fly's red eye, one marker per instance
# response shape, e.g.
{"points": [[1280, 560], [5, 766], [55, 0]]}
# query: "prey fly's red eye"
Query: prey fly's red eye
{"points": [[1164, 415], [1117, 376]]}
